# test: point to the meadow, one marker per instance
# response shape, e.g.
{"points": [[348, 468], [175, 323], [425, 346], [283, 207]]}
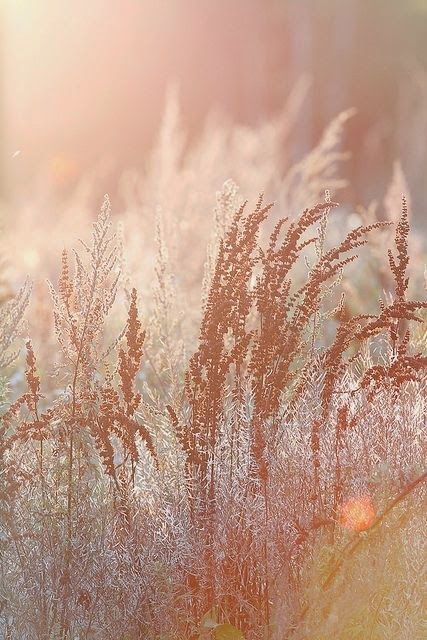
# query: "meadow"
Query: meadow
{"points": [[213, 400]]}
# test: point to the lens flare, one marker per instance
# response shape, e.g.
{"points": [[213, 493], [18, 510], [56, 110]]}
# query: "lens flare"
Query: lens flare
{"points": [[358, 513], [62, 169]]}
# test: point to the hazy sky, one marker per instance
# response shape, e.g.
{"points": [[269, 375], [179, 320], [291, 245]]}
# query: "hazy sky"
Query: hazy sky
{"points": [[87, 78]]}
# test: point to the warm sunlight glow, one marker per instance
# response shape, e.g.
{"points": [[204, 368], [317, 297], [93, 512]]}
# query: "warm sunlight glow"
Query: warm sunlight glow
{"points": [[62, 169], [31, 258], [212, 354], [358, 514]]}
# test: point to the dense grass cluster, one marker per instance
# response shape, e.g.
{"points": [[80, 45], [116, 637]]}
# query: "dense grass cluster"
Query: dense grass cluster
{"points": [[268, 483]]}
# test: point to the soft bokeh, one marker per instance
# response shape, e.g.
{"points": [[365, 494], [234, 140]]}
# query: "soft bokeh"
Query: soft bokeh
{"points": [[86, 81], [212, 414]]}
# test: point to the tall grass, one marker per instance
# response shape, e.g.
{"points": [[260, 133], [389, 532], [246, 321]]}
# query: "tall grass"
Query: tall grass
{"points": [[269, 483]]}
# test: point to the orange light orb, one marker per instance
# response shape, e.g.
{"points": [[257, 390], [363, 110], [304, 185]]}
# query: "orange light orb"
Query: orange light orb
{"points": [[358, 514], [63, 170]]}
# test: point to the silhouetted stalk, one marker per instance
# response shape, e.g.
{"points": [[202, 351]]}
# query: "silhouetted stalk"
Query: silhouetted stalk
{"points": [[266, 559], [70, 465]]}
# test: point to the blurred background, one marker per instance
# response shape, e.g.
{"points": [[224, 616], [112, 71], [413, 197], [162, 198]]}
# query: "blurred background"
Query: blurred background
{"points": [[84, 82], [164, 104]]}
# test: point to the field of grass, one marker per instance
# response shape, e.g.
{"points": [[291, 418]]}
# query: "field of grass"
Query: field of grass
{"points": [[213, 412]]}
